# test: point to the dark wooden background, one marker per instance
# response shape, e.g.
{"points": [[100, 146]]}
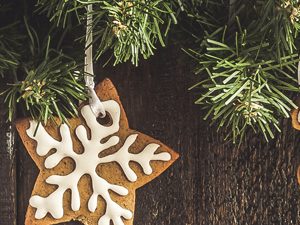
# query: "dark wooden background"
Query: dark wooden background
{"points": [[212, 183]]}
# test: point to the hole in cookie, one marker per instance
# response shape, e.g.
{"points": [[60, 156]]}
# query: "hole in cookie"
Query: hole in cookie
{"points": [[105, 121]]}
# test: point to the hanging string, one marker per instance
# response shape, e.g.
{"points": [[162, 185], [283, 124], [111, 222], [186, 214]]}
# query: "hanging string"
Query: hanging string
{"points": [[298, 117], [299, 73], [94, 102]]}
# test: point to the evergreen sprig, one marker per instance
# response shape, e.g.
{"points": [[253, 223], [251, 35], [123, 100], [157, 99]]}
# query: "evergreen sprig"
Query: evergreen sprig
{"points": [[47, 82], [50, 89], [241, 92], [133, 28], [247, 66], [130, 28], [274, 22]]}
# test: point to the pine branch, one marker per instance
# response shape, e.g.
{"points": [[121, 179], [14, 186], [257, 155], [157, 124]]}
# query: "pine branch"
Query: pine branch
{"points": [[131, 29], [275, 23], [49, 83], [245, 86], [134, 28], [50, 89]]}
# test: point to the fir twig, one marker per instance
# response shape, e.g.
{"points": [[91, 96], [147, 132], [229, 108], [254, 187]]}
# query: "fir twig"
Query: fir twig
{"points": [[50, 83], [130, 28], [245, 87], [49, 90]]}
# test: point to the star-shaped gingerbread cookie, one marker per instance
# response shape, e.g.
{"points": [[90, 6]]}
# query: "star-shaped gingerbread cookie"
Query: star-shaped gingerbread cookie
{"points": [[91, 168]]}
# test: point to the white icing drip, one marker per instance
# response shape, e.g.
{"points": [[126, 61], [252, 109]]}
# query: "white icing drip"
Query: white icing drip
{"points": [[87, 162]]}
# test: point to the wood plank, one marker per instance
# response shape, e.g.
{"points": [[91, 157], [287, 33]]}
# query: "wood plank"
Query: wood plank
{"points": [[213, 182], [26, 174], [7, 169]]}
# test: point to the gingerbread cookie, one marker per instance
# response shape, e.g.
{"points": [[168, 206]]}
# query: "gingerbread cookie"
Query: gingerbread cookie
{"points": [[296, 124], [90, 168], [296, 119]]}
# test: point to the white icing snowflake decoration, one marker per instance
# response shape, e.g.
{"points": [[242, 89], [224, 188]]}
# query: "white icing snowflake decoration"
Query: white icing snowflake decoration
{"points": [[87, 162]]}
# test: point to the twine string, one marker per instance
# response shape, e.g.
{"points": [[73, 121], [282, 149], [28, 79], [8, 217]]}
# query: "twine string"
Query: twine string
{"points": [[94, 102]]}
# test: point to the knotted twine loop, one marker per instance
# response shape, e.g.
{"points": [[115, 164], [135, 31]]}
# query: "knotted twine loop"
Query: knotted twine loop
{"points": [[94, 102]]}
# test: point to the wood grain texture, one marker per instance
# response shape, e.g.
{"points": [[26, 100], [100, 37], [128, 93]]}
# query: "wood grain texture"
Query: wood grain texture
{"points": [[8, 214], [213, 182]]}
